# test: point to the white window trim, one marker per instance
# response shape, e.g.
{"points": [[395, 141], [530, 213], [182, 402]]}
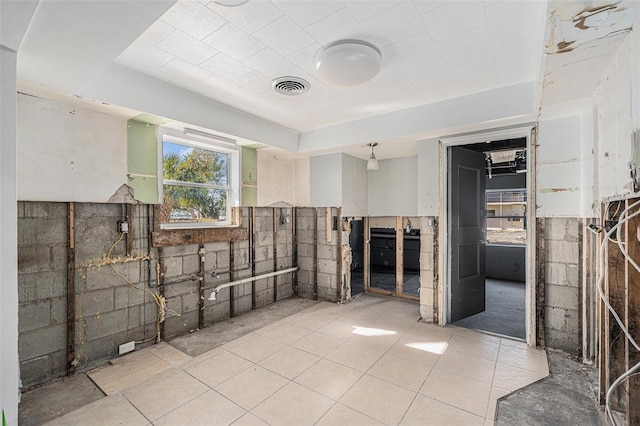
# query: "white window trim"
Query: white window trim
{"points": [[172, 135]]}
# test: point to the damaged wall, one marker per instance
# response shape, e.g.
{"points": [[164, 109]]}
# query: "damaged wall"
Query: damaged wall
{"points": [[62, 147], [110, 311]]}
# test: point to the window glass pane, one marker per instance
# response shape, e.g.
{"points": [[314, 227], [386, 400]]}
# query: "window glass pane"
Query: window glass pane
{"points": [[189, 164], [188, 204], [506, 211]]}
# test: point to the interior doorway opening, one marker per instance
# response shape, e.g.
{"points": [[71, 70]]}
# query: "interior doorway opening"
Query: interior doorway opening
{"points": [[487, 223]]}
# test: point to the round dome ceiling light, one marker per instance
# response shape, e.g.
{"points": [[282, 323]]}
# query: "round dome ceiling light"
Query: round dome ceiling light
{"points": [[290, 86], [348, 63]]}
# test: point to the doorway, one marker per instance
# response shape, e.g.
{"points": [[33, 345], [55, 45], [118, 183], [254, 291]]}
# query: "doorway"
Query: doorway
{"points": [[487, 234]]}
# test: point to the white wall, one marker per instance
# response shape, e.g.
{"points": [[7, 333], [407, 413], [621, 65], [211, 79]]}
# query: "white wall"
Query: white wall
{"points": [[614, 123], [354, 186], [326, 180], [558, 185], [276, 177], [428, 178], [303, 182], [9, 367], [393, 188], [66, 153]]}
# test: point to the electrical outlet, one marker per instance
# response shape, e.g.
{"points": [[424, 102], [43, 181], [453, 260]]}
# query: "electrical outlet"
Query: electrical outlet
{"points": [[123, 226], [126, 347]]}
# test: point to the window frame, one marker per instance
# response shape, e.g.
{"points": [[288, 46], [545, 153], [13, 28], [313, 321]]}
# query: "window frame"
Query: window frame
{"points": [[178, 136]]}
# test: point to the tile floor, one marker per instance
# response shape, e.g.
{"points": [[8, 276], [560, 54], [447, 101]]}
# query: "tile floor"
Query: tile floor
{"points": [[365, 363]]}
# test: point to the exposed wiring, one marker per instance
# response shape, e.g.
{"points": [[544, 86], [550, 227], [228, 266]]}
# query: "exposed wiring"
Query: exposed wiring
{"points": [[623, 219], [160, 301]]}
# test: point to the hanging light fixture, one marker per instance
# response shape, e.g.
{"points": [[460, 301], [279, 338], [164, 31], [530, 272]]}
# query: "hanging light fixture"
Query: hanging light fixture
{"points": [[372, 164]]}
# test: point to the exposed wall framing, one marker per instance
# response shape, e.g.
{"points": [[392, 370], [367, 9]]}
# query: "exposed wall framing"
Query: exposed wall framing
{"points": [[622, 288]]}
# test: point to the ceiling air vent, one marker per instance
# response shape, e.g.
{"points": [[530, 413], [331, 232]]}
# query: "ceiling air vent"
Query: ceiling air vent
{"points": [[290, 86]]}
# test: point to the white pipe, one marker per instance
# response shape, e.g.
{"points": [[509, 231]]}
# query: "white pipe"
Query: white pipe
{"points": [[248, 280]]}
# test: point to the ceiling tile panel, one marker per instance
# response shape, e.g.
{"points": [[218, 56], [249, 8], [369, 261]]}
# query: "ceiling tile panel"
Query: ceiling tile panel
{"points": [[426, 6], [340, 25], [458, 46], [254, 81], [225, 66], [284, 36], [219, 87], [365, 9], [393, 25], [234, 42], [156, 32], [515, 15], [475, 72], [252, 16], [185, 70], [431, 78], [305, 58], [454, 18], [187, 47], [141, 53], [409, 50], [305, 13], [268, 62], [394, 86], [193, 18]]}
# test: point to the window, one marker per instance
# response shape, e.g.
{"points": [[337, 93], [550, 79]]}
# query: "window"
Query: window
{"points": [[199, 181]]}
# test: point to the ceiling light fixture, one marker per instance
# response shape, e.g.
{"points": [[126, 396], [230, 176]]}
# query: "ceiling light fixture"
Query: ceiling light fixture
{"points": [[372, 164], [348, 63]]}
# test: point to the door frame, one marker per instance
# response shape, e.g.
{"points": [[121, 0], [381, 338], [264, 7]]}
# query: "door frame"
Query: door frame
{"points": [[444, 291]]}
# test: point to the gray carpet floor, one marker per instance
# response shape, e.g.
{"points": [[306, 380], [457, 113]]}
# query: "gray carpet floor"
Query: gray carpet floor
{"points": [[505, 310]]}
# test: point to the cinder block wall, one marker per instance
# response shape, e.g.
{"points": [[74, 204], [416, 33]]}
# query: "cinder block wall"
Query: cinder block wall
{"points": [[428, 269], [562, 283], [312, 232], [110, 310], [42, 289]]}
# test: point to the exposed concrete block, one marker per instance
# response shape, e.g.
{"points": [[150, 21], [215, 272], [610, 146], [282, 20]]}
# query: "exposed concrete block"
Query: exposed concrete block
{"points": [[191, 264], [327, 252], [134, 318], [556, 273], [37, 286], [327, 266], [42, 209], [128, 296], [263, 253], [210, 260], [105, 324], [565, 341], [324, 280], [223, 259], [243, 304], [35, 371], [572, 230], [216, 312], [50, 231], [185, 250], [34, 315], [327, 294], [214, 247], [264, 267], [573, 275], [562, 319], [190, 302], [173, 266], [96, 302], [101, 278], [176, 326], [555, 229], [59, 311], [34, 259], [94, 351], [562, 297], [36, 343], [426, 261], [426, 279], [562, 252]]}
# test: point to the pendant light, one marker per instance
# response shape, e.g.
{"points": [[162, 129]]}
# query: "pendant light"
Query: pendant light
{"points": [[372, 164]]}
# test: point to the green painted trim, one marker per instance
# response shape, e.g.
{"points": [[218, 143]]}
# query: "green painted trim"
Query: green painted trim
{"points": [[142, 161], [249, 176]]}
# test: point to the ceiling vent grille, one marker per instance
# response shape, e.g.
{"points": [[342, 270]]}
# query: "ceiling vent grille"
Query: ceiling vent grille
{"points": [[290, 86]]}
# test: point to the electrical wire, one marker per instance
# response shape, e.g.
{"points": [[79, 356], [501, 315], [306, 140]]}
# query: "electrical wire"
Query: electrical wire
{"points": [[160, 301], [623, 219]]}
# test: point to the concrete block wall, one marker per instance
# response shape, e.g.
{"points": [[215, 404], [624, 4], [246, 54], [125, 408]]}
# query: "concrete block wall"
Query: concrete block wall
{"points": [[562, 283], [110, 311], [42, 289], [328, 255], [113, 305], [428, 268]]}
